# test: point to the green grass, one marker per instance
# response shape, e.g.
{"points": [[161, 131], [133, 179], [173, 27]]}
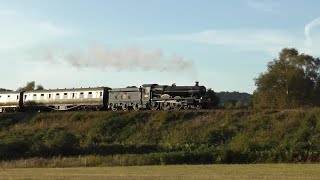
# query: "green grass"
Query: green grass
{"points": [[160, 137], [252, 171]]}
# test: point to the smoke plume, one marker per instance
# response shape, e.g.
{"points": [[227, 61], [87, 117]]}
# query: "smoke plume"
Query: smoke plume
{"points": [[130, 58]]}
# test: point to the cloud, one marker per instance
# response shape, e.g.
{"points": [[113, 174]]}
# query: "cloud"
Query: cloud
{"points": [[265, 40], [131, 58], [308, 29], [252, 39], [262, 6], [18, 31]]}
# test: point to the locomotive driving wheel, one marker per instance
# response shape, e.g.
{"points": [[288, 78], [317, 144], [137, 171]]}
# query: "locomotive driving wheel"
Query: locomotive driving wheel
{"points": [[165, 105], [154, 106], [198, 107], [177, 106], [125, 107]]}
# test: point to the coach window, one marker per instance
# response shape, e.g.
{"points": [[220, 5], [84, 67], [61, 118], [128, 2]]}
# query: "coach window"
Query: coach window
{"points": [[100, 93], [49, 96], [65, 95], [81, 94], [73, 95], [25, 96], [8, 96], [90, 95], [57, 96], [17, 96]]}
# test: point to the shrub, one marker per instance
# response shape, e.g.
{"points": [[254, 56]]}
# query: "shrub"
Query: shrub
{"points": [[58, 141], [13, 146]]}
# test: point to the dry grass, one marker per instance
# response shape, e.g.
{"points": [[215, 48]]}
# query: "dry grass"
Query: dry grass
{"points": [[253, 171]]}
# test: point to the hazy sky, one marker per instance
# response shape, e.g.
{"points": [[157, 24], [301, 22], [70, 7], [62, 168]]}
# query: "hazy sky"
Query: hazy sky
{"points": [[117, 43]]}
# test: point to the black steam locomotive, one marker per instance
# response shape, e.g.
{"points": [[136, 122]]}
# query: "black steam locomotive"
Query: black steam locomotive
{"points": [[147, 96], [154, 96]]}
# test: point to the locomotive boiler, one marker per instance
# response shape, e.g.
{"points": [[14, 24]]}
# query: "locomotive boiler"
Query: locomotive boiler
{"points": [[195, 91]]}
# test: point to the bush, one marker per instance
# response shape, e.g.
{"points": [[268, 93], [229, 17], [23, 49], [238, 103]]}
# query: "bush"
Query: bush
{"points": [[13, 146], [58, 141]]}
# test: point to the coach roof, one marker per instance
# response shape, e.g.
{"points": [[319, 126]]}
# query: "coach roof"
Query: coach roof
{"points": [[9, 92], [68, 90]]}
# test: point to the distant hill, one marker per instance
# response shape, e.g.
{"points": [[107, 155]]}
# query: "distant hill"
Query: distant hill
{"points": [[244, 98]]}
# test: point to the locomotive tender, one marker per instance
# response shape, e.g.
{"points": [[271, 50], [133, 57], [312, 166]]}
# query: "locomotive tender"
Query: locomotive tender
{"points": [[147, 96]]}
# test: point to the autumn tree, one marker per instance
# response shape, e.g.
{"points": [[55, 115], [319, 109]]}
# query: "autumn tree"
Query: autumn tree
{"points": [[290, 81]]}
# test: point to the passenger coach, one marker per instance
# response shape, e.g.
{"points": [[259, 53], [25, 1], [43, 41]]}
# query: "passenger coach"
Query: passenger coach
{"points": [[10, 101], [66, 99]]}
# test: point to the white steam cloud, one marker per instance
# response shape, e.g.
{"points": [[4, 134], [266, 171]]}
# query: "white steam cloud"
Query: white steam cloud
{"points": [[308, 28], [122, 59]]}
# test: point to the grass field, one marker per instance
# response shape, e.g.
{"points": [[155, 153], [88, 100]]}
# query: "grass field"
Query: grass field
{"points": [[252, 171]]}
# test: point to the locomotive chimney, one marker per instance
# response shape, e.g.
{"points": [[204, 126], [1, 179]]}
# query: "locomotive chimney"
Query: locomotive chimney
{"points": [[197, 83]]}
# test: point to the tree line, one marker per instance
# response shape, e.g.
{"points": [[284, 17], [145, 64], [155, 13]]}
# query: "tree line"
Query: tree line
{"points": [[291, 80]]}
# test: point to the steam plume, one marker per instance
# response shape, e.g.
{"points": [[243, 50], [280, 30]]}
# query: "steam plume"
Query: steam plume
{"points": [[130, 58]]}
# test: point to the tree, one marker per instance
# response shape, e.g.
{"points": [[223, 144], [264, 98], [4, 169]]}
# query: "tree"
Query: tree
{"points": [[31, 86], [290, 81], [39, 87], [213, 97]]}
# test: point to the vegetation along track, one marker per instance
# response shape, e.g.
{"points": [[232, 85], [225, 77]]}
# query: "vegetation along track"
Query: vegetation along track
{"points": [[68, 139]]}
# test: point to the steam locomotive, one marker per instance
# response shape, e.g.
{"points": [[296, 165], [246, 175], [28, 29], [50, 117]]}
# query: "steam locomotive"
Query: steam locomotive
{"points": [[147, 96]]}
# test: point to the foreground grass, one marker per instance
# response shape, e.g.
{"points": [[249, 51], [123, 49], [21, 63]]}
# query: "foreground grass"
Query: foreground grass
{"points": [[92, 139], [252, 171]]}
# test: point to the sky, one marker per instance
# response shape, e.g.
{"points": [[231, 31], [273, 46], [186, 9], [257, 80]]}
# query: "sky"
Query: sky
{"points": [[224, 45]]}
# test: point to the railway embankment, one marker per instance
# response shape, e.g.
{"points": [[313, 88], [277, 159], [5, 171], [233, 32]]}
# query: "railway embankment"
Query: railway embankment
{"points": [[68, 139]]}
